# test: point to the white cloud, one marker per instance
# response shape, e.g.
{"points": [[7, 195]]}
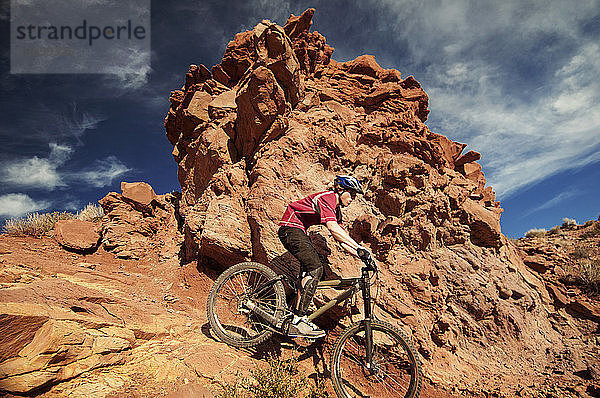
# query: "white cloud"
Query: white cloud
{"points": [[561, 197], [134, 71], [59, 153], [18, 204], [34, 173], [75, 124], [103, 172], [38, 172], [43, 173], [524, 136]]}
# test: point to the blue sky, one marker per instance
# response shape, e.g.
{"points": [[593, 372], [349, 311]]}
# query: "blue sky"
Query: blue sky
{"points": [[515, 80]]}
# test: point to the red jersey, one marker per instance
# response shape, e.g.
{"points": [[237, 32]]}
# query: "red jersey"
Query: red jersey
{"points": [[314, 209]]}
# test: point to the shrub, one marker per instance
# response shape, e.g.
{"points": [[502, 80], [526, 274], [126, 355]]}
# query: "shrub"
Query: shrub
{"points": [[280, 379], [581, 252], [91, 212], [568, 222], [35, 224], [554, 230], [535, 233], [589, 275]]}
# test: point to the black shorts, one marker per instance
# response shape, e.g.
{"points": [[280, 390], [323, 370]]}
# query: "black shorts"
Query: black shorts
{"points": [[299, 245]]}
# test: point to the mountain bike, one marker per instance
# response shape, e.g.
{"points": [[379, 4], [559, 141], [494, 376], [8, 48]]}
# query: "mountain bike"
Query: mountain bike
{"points": [[247, 304]]}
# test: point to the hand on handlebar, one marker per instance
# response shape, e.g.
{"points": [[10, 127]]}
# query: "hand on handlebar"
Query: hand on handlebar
{"points": [[366, 257]]}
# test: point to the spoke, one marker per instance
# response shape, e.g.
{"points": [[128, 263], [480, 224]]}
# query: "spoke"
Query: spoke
{"points": [[384, 380], [231, 289], [225, 297], [238, 278], [266, 304], [245, 283], [394, 369]]}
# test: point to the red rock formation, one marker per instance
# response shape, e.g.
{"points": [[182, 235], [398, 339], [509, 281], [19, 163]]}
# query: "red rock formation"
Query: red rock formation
{"points": [[289, 118], [295, 127], [136, 219]]}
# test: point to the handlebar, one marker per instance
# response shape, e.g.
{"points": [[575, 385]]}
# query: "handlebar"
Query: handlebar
{"points": [[367, 259], [370, 264]]}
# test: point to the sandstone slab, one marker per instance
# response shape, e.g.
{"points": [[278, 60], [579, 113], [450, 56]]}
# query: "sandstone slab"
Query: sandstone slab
{"points": [[76, 234]]}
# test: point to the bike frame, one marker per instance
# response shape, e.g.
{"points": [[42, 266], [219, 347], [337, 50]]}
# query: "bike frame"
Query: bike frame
{"points": [[352, 285]]}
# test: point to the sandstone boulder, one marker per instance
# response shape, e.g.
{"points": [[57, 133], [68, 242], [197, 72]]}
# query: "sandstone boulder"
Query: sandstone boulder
{"points": [[138, 192], [76, 234], [137, 217]]}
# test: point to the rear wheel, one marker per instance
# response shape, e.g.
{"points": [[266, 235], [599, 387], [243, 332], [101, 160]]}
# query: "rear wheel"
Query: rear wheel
{"points": [[230, 318], [394, 371]]}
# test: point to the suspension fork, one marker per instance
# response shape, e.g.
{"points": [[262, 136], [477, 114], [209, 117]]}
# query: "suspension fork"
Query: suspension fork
{"points": [[366, 291]]}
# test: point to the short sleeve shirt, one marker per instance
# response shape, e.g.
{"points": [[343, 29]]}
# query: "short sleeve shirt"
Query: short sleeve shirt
{"points": [[314, 209]]}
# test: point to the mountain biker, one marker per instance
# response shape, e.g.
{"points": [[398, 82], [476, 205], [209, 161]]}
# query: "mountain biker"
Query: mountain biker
{"points": [[318, 208]]}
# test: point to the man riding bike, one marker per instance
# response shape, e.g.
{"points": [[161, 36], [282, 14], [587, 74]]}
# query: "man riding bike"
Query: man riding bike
{"points": [[319, 208]]}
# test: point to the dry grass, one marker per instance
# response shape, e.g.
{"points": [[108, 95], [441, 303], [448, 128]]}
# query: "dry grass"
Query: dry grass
{"points": [[568, 222], [581, 252], [586, 274], [38, 224], [35, 224], [91, 212], [590, 275], [555, 230], [535, 233], [279, 379]]}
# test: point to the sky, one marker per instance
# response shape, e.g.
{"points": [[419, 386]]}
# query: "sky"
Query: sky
{"points": [[516, 80]]}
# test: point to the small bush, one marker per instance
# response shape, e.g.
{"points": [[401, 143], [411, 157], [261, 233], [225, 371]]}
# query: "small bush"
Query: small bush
{"points": [[568, 222], [35, 224], [589, 275], [280, 379], [535, 233], [581, 252], [91, 212], [554, 230]]}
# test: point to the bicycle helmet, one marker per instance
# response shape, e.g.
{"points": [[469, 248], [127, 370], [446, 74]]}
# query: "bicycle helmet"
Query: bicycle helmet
{"points": [[348, 183]]}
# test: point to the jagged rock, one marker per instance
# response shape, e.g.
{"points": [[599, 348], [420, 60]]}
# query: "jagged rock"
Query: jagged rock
{"points": [[61, 350], [585, 309], [558, 295], [138, 192], [76, 234], [225, 235], [299, 25], [536, 262], [468, 157], [260, 99], [484, 224], [196, 112], [222, 105], [135, 218]]}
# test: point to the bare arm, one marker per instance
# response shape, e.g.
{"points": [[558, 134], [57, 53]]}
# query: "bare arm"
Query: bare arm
{"points": [[342, 237]]}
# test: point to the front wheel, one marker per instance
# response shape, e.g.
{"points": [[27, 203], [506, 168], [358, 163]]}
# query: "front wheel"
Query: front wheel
{"points": [[393, 372], [227, 306]]}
